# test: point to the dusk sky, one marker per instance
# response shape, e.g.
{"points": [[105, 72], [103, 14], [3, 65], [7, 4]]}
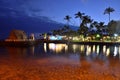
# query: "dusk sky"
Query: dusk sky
{"points": [[33, 15], [57, 9]]}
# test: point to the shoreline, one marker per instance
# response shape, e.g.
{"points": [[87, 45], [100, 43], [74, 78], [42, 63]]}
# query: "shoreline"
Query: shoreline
{"points": [[36, 42]]}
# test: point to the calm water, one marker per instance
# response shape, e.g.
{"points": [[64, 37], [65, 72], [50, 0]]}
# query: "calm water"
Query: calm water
{"points": [[60, 61], [71, 51]]}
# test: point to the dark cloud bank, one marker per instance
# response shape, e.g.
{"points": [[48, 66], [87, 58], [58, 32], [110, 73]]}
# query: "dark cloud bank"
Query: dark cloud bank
{"points": [[27, 24], [21, 15], [27, 20]]}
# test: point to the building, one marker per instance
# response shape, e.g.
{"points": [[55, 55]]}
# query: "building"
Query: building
{"points": [[17, 35]]}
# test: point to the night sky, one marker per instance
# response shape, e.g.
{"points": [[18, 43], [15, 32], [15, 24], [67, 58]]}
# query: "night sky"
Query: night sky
{"points": [[39, 16]]}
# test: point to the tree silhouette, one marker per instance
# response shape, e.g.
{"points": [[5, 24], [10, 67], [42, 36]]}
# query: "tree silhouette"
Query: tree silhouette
{"points": [[79, 15], [83, 26], [67, 18], [87, 19], [108, 11]]}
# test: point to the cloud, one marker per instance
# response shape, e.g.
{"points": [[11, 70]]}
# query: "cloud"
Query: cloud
{"points": [[22, 8], [7, 11], [17, 8]]}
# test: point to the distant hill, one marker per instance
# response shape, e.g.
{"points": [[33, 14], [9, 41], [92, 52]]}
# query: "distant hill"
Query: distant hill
{"points": [[28, 24]]}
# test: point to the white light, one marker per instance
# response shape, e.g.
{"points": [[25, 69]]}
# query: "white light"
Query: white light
{"points": [[98, 49], [115, 51], [115, 35], [93, 48], [108, 52], [52, 46], [45, 47], [104, 49], [88, 50]]}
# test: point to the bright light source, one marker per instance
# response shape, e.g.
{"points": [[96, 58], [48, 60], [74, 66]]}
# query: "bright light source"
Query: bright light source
{"points": [[97, 35], [52, 38], [115, 35]]}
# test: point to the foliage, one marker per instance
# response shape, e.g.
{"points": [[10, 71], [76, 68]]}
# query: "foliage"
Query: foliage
{"points": [[108, 11], [87, 27], [67, 18]]}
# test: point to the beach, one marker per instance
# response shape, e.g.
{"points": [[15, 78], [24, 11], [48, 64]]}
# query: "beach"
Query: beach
{"points": [[57, 68]]}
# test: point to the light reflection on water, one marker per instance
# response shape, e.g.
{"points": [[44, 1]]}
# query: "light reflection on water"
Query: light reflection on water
{"points": [[57, 48], [86, 50], [51, 49]]}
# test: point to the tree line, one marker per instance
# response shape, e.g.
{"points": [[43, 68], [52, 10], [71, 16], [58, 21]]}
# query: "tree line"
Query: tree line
{"points": [[87, 25]]}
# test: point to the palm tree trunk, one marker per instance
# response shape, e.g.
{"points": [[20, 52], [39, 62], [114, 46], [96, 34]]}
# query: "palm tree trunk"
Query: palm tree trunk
{"points": [[109, 17]]}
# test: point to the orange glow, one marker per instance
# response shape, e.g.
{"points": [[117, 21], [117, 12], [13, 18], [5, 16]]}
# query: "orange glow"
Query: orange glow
{"points": [[58, 47], [93, 48], [107, 51], [82, 48]]}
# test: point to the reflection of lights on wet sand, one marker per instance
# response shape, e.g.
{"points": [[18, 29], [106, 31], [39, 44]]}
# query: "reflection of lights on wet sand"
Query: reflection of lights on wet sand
{"points": [[104, 49], [115, 51], [58, 47], [98, 49], [108, 52], [45, 47], [82, 48], [93, 48], [88, 50]]}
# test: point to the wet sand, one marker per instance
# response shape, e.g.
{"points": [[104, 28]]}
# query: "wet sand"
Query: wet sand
{"points": [[58, 68]]}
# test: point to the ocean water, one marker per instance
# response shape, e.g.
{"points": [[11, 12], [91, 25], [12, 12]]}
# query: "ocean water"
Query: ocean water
{"points": [[50, 61], [72, 51]]}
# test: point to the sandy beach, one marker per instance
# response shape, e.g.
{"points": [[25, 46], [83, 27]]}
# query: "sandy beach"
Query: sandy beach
{"points": [[57, 68]]}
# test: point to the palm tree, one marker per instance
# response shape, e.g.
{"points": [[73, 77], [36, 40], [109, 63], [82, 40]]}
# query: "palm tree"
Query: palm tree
{"points": [[108, 11], [79, 15], [101, 27], [83, 29], [87, 19], [67, 18]]}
